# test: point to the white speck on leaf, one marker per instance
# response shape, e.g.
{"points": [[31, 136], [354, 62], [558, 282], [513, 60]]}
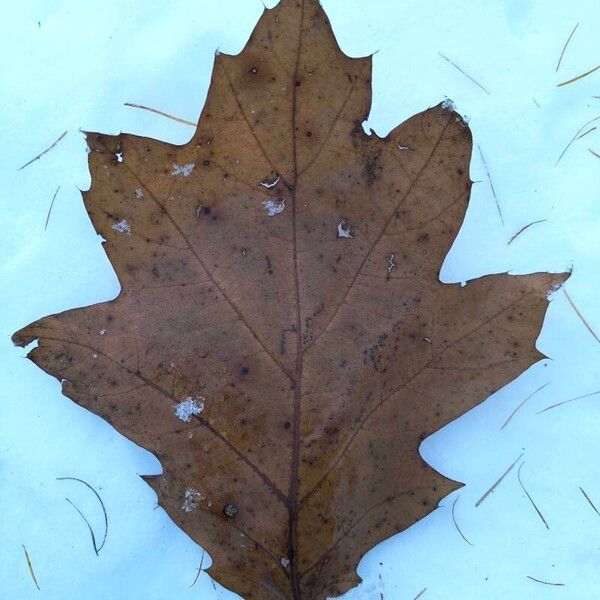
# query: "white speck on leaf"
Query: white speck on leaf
{"points": [[184, 170], [189, 407], [405, 148], [119, 156], [285, 562], [274, 207], [267, 184], [102, 331], [139, 194], [343, 229], [391, 262], [122, 227], [191, 499]]}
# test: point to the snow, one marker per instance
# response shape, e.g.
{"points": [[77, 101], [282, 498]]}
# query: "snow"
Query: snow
{"points": [[76, 69], [274, 207], [122, 226], [184, 170], [188, 408]]}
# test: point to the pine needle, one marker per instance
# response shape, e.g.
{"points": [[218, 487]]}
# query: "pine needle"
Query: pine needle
{"points": [[514, 237], [567, 401], [50, 209], [88, 525], [589, 500], [581, 317], [44, 152], [37, 585], [578, 77], [160, 112], [514, 412], [594, 153], [456, 524], [464, 73], [497, 483], [487, 171], [574, 138], [199, 570], [537, 510], [544, 582], [565, 46], [99, 500], [420, 594]]}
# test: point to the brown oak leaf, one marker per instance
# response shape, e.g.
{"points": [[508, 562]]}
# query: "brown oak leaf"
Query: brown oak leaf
{"points": [[282, 341]]}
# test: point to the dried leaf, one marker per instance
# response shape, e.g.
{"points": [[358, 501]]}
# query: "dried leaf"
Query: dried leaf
{"points": [[261, 347]]}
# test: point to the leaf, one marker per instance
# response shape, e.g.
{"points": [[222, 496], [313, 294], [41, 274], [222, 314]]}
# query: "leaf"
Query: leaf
{"points": [[282, 341]]}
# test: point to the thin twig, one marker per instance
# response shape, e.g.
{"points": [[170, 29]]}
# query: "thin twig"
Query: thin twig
{"points": [[574, 138], [536, 102], [420, 594], [565, 47], [462, 535], [578, 77], [199, 570], [464, 73], [567, 402], [544, 582], [44, 152], [160, 112], [491, 183], [514, 412], [514, 237], [88, 525], [589, 500], [37, 585], [587, 325], [50, 209], [594, 153], [537, 510], [497, 483], [99, 500]]}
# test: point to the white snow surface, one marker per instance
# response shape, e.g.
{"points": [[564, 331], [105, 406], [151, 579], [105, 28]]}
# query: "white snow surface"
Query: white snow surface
{"points": [[66, 65]]}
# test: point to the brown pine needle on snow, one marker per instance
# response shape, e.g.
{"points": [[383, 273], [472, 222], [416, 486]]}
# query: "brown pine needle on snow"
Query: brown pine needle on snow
{"points": [[44, 152], [160, 112], [30, 566], [544, 582], [537, 510], [581, 317], [420, 594], [464, 73], [565, 46], [575, 137], [498, 481], [578, 77], [94, 544], [589, 500], [487, 171], [594, 153], [99, 500], [520, 405], [567, 401], [514, 237], [199, 570], [462, 535], [50, 209]]}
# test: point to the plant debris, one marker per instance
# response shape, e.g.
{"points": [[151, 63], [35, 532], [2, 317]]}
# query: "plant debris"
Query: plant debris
{"points": [[161, 113], [565, 46], [497, 482], [44, 152], [30, 567], [537, 510]]}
